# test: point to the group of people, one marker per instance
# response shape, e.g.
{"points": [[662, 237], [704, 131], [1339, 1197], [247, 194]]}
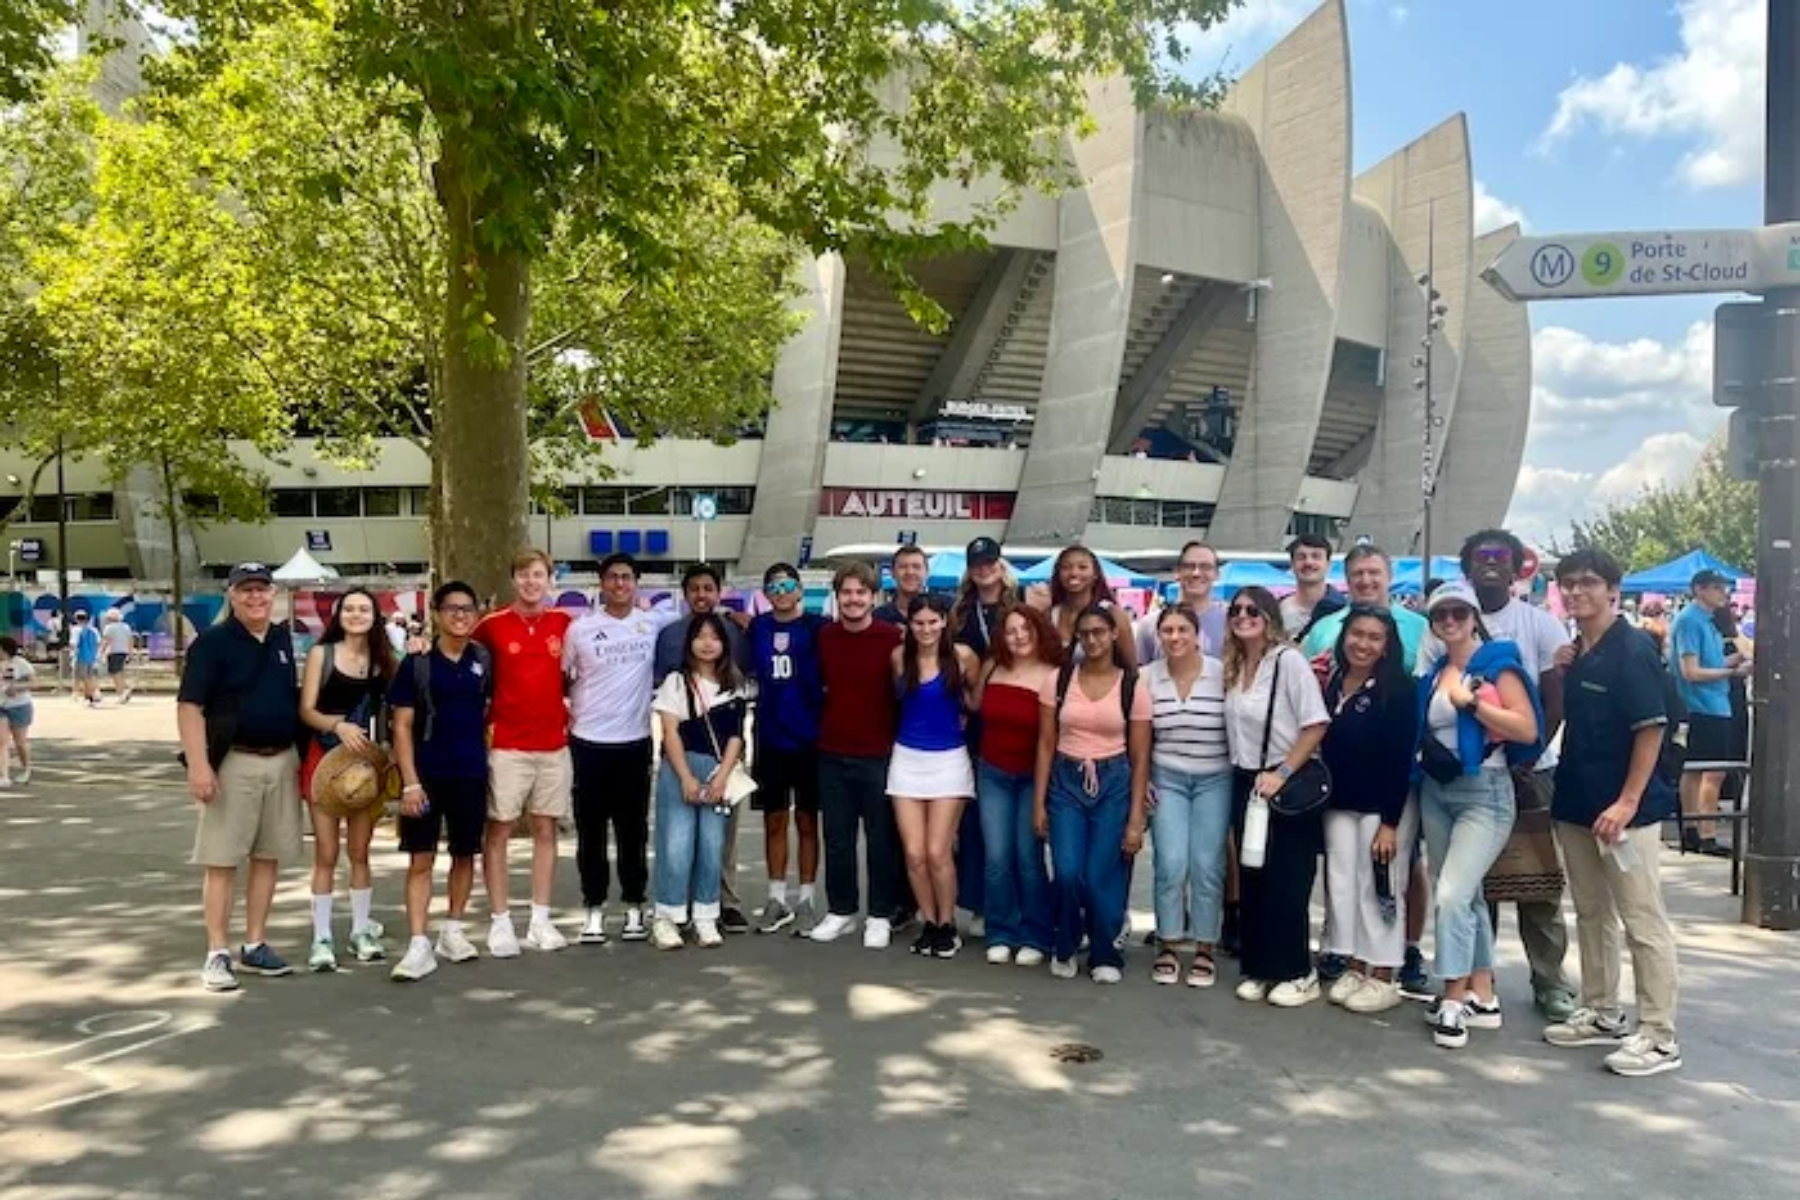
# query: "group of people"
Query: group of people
{"points": [[1004, 753]]}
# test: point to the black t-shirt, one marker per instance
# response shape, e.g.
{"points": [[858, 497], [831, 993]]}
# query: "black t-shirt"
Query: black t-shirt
{"points": [[227, 661], [1611, 691]]}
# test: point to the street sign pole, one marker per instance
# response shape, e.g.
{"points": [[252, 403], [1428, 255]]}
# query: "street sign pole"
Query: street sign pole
{"points": [[1772, 864]]}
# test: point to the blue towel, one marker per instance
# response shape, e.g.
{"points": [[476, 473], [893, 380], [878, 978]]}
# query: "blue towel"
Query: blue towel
{"points": [[1491, 660]]}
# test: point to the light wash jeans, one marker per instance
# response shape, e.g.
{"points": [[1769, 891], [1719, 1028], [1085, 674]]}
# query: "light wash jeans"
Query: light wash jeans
{"points": [[1466, 824], [1187, 842], [1020, 910], [690, 844]]}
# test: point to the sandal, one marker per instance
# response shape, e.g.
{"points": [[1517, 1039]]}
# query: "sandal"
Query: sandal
{"points": [[1166, 968], [1204, 972]]}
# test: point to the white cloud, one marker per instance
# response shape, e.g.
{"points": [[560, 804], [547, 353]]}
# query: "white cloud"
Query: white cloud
{"points": [[1491, 212], [1238, 41], [1662, 460], [1580, 385], [1709, 94]]}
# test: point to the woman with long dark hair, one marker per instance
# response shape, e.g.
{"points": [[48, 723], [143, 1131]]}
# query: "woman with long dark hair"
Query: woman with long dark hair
{"points": [[1025, 655], [1480, 713], [1091, 790], [1076, 585], [701, 707], [1275, 719], [347, 675], [929, 774], [1370, 823]]}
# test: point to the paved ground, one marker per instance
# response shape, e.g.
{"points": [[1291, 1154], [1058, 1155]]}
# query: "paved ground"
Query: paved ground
{"points": [[778, 1070]]}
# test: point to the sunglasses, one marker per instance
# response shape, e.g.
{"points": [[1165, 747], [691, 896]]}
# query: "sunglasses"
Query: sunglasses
{"points": [[1239, 612], [782, 587], [1451, 613], [1493, 554]]}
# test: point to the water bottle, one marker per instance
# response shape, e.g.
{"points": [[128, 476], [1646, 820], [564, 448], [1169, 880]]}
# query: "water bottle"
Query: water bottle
{"points": [[1256, 832], [1624, 855]]}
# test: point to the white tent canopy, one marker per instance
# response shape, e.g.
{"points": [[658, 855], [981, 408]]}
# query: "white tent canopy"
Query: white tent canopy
{"points": [[303, 568]]}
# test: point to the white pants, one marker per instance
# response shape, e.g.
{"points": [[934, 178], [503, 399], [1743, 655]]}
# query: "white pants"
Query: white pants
{"points": [[1355, 927]]}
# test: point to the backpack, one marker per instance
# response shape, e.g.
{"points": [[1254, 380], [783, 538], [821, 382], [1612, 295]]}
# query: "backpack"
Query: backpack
{"points": [[1127, 690], [427, 708]]}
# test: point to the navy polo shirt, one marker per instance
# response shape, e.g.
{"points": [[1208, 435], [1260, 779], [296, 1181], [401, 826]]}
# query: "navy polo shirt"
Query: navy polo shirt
{"points": [[458, 745], [228, 661], [1610, 691]]}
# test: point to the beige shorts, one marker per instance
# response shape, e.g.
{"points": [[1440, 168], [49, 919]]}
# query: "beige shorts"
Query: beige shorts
{"points": [[256, 813], [529, 781]]}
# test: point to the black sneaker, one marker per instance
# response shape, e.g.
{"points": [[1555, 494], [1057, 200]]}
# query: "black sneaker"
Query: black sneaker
{"points": [[733, 920], [926, 942], [1448, 1029], [1415, 980], [947, 942], [1332, 967], [1712, 849], [1690, 841]]}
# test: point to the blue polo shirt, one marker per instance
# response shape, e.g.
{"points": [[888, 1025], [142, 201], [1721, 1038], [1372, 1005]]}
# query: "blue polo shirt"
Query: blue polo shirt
{"points": [[1611, 690], [1694, 633], [458, 745], [229, 671]]}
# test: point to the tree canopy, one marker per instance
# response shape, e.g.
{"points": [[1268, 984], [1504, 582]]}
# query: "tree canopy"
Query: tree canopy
{"points": [[1709, 510]]}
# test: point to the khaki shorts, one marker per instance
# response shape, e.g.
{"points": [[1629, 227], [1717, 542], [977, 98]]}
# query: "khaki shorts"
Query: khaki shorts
{"points": [[256, 813], [528, 781]]}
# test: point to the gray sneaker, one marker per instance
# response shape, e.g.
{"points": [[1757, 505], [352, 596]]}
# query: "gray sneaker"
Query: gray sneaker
{"points": [[218, 974], [776, 917], [805, 917]]}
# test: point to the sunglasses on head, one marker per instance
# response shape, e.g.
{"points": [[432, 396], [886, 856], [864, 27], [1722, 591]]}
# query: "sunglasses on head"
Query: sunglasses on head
{"points": [[782, 587]]}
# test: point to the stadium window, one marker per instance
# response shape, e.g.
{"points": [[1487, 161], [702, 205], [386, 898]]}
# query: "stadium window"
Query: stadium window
{"points": [[339, 502], [381, 502], [291, 502]]}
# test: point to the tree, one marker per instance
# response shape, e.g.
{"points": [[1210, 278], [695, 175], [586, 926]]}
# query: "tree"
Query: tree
{"points": [[826, 121], [27, 31], [1708, 510]]}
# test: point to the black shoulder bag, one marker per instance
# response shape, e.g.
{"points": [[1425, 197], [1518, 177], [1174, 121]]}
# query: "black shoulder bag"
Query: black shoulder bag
{"points": [[1310, 786]]}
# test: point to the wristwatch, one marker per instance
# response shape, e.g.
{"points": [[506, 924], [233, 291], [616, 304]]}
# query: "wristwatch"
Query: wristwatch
{"points": [[1471, 707], [1284, 772]]}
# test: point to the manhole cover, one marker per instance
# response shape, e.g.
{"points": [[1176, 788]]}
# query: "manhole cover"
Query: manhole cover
{"points": [[1075, 1052]]}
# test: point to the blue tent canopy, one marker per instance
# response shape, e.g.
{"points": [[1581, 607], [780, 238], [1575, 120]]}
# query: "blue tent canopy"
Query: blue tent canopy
{"points": [[1235, 575], [1111, 571], [1677, 574]]}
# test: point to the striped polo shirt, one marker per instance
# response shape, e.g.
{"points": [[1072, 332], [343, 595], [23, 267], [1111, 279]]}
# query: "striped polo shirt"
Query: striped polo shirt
{"points": [[1189, 734]]}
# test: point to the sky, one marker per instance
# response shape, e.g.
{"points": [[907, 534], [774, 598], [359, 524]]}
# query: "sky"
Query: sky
{"points": [[1583, 115]]}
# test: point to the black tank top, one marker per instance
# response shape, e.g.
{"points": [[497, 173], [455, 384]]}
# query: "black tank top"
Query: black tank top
{"points": [[339, 694]]}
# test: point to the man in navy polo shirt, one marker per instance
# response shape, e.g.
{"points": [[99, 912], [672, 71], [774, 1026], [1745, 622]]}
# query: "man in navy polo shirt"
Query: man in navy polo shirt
{"points": [[1610, 799], [440, 745]]}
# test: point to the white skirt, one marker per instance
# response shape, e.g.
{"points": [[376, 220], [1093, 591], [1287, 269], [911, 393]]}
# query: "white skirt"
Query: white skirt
{"points": [[930, 774]]}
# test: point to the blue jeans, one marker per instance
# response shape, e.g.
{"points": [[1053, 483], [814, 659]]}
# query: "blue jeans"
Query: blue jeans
{"points": [[1087, 852], [1018, 887], [690, 842], [1466, 825], [1187, 831]]}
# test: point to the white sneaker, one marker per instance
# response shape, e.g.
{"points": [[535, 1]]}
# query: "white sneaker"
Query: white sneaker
{"points": [[1343, 987], [542, 935], [1253, 990], [1374, 996], [1449, 1030], [636, 927], [977, 926], [1642, 1055], [418, 963], [21, 777], [1062, 968], [454, 944], [707, 933], [832, 928], [593, 930], [1028, 957], [1107, 975], [503, 939], [665, 934], [1295, 992], [999, 956], [878, 932]]}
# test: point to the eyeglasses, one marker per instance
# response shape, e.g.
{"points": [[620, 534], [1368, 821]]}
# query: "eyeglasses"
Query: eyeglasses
{"points": [[782, 587], [457, 610], [1091, 632], [1243, 612], [1450, 613], [1188, 568], [1582, 583], [1493, 554]]}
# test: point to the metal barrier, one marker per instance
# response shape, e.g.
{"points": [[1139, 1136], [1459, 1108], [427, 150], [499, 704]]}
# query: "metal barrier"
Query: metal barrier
{"points": [[1738, 817]]}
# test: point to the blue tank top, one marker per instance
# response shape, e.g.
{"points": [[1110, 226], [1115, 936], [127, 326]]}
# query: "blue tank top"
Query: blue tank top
{"points": [[930, 718], [789, 692]]}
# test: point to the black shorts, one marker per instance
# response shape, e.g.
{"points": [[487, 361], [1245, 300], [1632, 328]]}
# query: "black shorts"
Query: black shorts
{"points": [[115, 664], [785, 779], [1710, 739], [460, 804]]}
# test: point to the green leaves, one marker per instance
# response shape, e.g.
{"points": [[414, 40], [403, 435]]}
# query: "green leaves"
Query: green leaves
{"points": [[1709, 510]]}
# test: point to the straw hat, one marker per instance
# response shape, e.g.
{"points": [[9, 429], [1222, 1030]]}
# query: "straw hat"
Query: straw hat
{"points": [[348, 781]]}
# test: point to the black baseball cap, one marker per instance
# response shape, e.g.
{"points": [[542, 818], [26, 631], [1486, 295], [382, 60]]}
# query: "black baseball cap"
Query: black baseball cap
{"points": [[1708, 578], [982, 551], [249, 572]]}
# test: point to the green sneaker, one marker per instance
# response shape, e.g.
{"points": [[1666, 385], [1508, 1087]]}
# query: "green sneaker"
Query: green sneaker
{"points": [[1556, 1004], [323, 956], [367, 945]]}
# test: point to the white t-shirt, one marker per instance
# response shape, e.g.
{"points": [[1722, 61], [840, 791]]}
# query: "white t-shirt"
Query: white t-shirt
{"points": [[1300, 705], [609, 662], [117, 638], [1189, 734], [1537, 634], [15, 683]]}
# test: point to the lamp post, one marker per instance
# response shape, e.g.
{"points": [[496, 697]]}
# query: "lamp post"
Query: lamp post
{"points": [[1435, 311]]}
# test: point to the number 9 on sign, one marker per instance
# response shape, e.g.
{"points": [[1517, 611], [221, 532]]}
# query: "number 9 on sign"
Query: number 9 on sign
{"points": [[1602, 264]]}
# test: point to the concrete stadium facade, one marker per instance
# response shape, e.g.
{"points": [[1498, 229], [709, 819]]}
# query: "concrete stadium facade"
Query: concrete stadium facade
{"points": [[1210, 334]]}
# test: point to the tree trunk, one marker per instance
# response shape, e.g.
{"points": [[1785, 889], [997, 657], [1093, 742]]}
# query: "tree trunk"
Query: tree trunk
{"points": [[172, 510], [481, 462]]}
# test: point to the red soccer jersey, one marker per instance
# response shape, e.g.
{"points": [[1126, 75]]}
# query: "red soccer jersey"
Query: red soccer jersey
{"points": [[528, 712]]}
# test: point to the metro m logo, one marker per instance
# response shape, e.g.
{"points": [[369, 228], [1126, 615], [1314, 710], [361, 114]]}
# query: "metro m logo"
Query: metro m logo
{"points": [[1552, 265]]}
